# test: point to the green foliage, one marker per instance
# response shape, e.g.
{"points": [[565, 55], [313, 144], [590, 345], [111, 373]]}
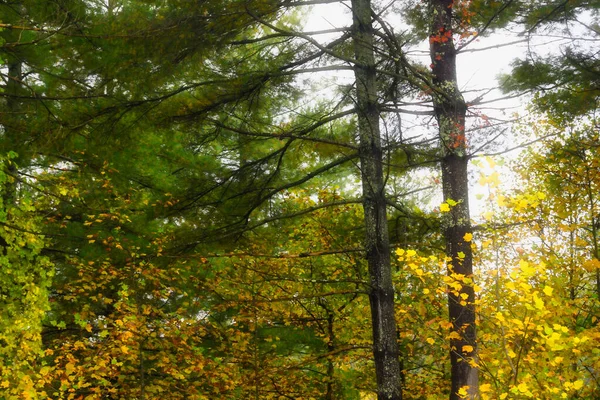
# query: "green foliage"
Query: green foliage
{"points": [[565, 84], [25, 277], [182, 225]]}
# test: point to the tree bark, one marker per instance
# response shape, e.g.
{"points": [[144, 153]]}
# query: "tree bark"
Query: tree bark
{"points": [[377, 246], [450, 111], [9, 140]]}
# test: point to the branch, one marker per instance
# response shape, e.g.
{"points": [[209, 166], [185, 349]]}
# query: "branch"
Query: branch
{"points": [[298, 182], [547, 16], [520, 146], [283, 255], [22, 28], [301, 134], [280, 35], [487, 24], [405, 111], [324, 49], [309, 2], [496, 46]]}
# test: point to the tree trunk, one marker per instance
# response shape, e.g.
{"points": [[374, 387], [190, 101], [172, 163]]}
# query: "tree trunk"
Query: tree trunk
{"points": [[9, 140], [381, 296], [450, 110]]}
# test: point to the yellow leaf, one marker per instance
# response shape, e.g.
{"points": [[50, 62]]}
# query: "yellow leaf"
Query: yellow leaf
{"points": [[454, 335], [5, 384], [539, 303], [548, 290], [467, 349], [445, 324], [399, 252], [430, 340], [591, 265], [124, 349], [70, 367], [463, 392], [488, 215], [461, 255], [411, 253], [425, 291], [578, 384], [494, 179], [501, 201], [444, 207], [522, 387], [468, 237], [486, 387]]}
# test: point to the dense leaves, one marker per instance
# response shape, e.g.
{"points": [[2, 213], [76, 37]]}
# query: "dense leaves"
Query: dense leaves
{"points": [[185, 214]]}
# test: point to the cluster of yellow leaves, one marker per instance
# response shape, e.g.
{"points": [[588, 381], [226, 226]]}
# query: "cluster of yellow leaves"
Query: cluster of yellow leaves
{"points": [[531, 346], [423, 326], [537, 312], [538, 325]]}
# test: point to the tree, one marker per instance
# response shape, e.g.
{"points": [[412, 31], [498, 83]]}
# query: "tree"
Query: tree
{"points": [[538, 305], [450, 110], [566, 82], [204, 223], [377, 245]]}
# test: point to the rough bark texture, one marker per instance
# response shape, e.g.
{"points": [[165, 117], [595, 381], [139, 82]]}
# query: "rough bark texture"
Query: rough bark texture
{"points": [[381, 296], [450, 109]]}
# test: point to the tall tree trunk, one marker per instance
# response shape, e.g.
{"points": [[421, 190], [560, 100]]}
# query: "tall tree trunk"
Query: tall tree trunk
{"points": [[10, 133], [9, 139], [450, 110], [381, 296]]}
